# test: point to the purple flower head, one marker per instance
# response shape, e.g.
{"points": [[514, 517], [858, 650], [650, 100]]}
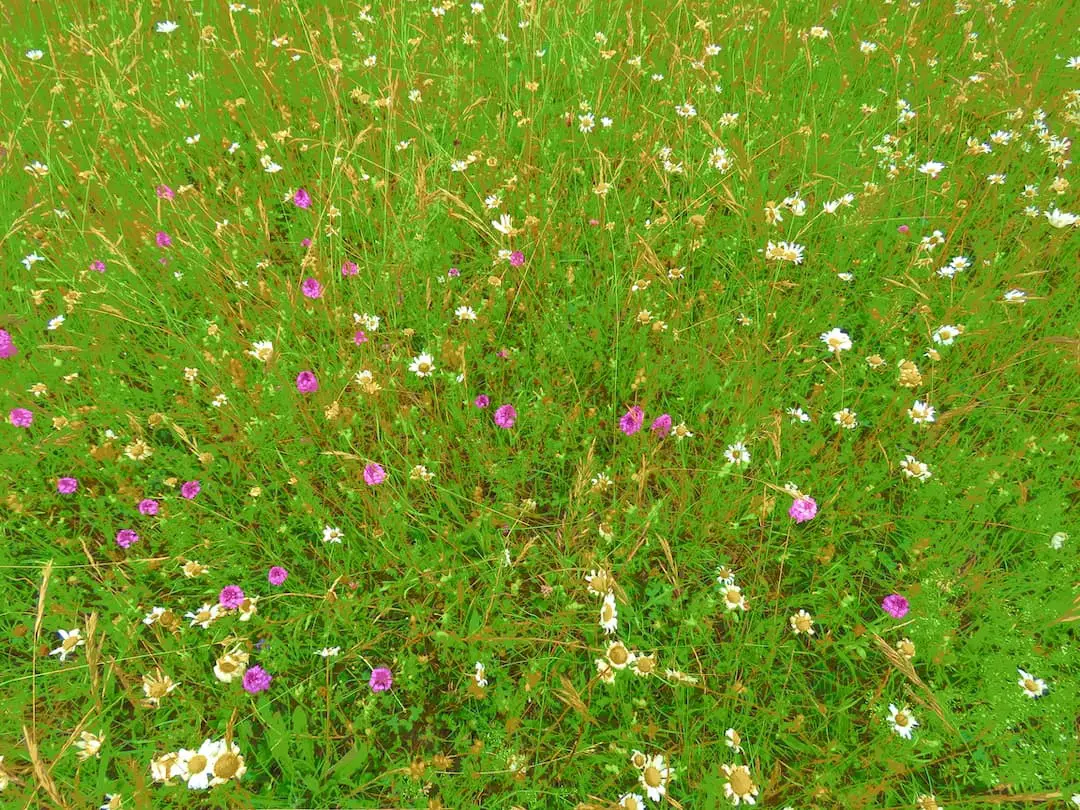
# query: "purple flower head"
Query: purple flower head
{"points": [[374, 474], [517, 258], [65, 486], [349, 269], [7, 346], [164, 192], [306, 382], [453, 272], [661, 425], [803, 509], [381, 679], [231, 596], [125, 537], [277, 575], [505, 416], [631, 421], [311, 288], [482, 401], [20, 417], [305, 242], [148, 506], [256, 680], [903, 229], [359, 338], [301, 199], [189, 489], [594, 222], [97, 266], [163, 239], [895, 605]]}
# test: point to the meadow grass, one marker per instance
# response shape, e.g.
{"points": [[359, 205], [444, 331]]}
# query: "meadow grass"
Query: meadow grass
{"points": [[782, 297]]}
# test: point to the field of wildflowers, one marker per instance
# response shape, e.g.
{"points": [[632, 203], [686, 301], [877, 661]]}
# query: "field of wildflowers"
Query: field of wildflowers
{"points": [[548, 404]]}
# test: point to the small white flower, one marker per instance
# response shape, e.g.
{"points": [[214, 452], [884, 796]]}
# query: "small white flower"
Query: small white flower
{"points": [[921, 412], [422, 365], [609, 614], [332, 534], [55, 323], [1061, 219], [946, 334], [329, 652], [837, 340], [167, 27], [913, 468], [262, 350], [34, 55], [932, 168], [903, 721], [1033, 687], [479, 675], [465, 313], [737, 454], [1058, 540], [798, 415], [31, 260], [69, 640]]}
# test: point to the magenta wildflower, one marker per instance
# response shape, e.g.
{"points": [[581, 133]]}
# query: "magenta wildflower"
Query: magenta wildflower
{"points": [[803, 509], [163, 239], [189, 489], [164, 192], [631, 421], [125, 537], [65, 486], [661, 425], [594, 222], [359, 337], [306, 382], [256, 680], [381, 679], [231, 596], [7, 345], [311, 288], [148, 506], [895, 605], [453, 272], [277, 575], [21, 417], [305, 242], [482, 401], [505, 416], [374, 474], [903, 229], [97, 266], [517, 258], [301, 199], [349, 269]]}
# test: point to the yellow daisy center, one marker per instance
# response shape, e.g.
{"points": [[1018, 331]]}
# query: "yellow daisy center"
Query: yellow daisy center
{"points": [[226, 766]]}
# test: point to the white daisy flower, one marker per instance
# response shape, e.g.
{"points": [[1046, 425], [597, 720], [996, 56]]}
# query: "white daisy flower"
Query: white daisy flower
{"points": [[609, 615], [1033, 687], [423, 365], [197, 767], [837, 340], [903, 721], [655, 777], [69, 640]]}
